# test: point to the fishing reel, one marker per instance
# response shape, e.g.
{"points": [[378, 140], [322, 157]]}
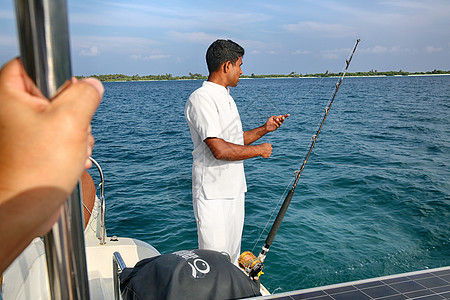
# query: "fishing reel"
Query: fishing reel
{"points": [[251, 264]]}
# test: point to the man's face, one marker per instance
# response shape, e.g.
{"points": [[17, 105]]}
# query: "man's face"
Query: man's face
{"points": [[235, 72]]}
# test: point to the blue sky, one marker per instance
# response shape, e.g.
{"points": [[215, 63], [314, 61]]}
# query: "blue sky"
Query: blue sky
{"points": [[303, 36]]}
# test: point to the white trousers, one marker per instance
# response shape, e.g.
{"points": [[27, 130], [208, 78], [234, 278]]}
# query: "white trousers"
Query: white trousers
{"points": [[220, 223]]}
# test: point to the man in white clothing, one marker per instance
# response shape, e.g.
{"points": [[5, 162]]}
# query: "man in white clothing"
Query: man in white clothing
{"points": [[220, 146]]}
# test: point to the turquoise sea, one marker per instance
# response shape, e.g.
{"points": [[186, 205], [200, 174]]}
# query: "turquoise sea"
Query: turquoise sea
{"points": [[374, 198]]}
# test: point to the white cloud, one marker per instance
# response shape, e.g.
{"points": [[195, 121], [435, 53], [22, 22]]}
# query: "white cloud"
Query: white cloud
{"points": [[396, 49], [90, 51], [253, 44], [261, 47], [156, 57], [301, 52], [431, 49], [312, 27], [185, 15], [375, 50], [195, 37], [149, 57], [383, 50], [93, 45], [334, 54], [134, 48]]}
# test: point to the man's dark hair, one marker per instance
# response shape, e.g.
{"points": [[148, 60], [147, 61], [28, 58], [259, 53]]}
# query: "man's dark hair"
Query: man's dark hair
{"points": [[222, 51]]}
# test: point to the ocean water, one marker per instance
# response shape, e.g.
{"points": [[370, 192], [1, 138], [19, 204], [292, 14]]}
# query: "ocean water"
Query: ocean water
{"points": [[373, 200]]}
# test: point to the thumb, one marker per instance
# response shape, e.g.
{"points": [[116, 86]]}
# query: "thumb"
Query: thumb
{"points": [[81, 98], [95, 83]]}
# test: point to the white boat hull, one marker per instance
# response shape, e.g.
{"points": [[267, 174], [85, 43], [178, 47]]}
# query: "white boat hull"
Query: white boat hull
{"points": [[26, 278]]}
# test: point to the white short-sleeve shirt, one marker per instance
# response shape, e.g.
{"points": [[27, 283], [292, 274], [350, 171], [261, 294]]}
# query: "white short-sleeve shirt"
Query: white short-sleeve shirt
{"points": [[212, 113]]}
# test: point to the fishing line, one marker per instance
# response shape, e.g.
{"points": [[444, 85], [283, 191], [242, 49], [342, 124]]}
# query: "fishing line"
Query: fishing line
{"points": [[318, 128], [304, 97], [276, 107], [273, 212], [247, 260], [292, 107]]}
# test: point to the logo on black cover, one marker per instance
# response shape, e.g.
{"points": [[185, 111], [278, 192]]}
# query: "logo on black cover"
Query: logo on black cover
{"points": [[198, 266]]}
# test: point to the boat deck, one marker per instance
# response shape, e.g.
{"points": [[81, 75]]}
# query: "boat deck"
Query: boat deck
{"points": [[427, 284]]}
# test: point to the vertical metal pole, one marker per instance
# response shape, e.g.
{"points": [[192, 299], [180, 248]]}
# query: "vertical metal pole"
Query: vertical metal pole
{"points": [[101, 228], [45, 53], [118, 267]]}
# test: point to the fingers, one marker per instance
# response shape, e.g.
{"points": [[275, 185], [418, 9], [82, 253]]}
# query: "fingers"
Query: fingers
{"points": [[280, 119], [90, 147], [12, 72], [81, 98], [266, 150], [78, 103], [13, 75]]}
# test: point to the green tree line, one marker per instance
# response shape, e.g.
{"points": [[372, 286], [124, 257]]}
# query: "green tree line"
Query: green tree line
{"points": [[122, 77]]}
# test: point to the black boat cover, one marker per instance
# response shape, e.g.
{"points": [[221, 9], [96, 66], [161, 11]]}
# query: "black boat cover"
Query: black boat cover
{"points": [[188, 274]]}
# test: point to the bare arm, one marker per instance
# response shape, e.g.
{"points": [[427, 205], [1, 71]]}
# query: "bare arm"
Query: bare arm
{"points": [[272, 124], [43, 150], [224, 150]]}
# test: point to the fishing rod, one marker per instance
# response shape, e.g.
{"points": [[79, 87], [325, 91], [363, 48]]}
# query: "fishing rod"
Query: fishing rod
{"points": [[247, 260]]}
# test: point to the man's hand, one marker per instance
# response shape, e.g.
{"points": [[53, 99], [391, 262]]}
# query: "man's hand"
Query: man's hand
{"points": [[274, 122], [266, 150]]}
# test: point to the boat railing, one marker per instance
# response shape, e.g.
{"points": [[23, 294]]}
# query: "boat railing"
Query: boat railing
{"points": [[118, 266], [101, 234]]}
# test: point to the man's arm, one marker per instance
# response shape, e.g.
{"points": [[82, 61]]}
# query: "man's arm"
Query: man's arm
{"points": [[272, 124], [224, 150]]}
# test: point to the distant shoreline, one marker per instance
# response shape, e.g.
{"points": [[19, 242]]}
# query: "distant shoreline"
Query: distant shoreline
{"points": [[166, 77]]}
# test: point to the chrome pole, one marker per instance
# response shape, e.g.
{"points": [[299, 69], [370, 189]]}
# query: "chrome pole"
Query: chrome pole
{"points": [[118, 267], [45, 53], [101, 228]]}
